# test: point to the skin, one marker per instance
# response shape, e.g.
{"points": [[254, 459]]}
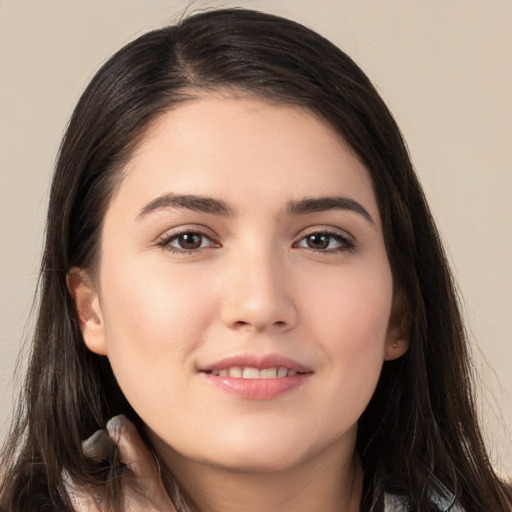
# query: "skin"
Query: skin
{"points": [[256, 285], [143, 489]]}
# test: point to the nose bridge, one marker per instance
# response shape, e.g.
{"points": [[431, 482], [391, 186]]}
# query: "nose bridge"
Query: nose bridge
{"points": [[258, 294]]}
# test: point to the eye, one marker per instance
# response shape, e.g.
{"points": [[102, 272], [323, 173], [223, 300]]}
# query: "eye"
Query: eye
{"points": [[186, 242], [325, 241]]}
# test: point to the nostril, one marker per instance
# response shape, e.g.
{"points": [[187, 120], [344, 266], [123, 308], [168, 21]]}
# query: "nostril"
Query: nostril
{"points": [[280, 324]]}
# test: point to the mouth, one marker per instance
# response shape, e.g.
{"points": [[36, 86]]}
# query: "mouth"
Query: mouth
{"points": [[256, 377], [248, 372]]}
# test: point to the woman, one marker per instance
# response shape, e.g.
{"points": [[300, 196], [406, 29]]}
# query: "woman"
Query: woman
{"points": [[240, 261]]}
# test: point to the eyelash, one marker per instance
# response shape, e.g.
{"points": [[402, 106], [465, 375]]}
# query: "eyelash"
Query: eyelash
{"points": [[346, 244], [165, 243]]}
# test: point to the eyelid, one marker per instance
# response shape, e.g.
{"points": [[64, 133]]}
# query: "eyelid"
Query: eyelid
{"points": [[163, 241], [348, 241], [200, 229], [327, 229]]}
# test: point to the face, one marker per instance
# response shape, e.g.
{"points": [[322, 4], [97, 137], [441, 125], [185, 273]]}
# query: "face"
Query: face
{"points": [[244, 296]]}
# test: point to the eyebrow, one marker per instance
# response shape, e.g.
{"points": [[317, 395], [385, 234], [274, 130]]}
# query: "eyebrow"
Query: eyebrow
{"points": [[205, 204], [321, 204], [190, 202]]}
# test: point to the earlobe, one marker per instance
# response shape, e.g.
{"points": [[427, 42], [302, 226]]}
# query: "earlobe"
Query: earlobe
{"points": [[398, 335], [88, 308], [396, 349]]}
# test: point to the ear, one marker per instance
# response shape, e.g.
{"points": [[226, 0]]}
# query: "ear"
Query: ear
{"points": [[88, 307], [398, 335]]}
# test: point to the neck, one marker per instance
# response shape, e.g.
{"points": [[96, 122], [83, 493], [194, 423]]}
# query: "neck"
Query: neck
{"points": [[323, 484]]}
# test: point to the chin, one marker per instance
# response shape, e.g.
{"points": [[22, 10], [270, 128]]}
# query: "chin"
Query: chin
{"points": [[251, 462], [261, 452]]}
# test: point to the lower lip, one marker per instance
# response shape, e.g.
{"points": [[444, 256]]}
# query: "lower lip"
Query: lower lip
{"points": [[257, 389]]}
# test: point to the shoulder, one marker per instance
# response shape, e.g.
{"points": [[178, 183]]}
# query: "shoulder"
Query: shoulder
{"points": [[37, 504], [445, 503], [32, 495]]}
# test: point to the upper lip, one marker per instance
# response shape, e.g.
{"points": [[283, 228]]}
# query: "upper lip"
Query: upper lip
{"points": [[260, 362]]}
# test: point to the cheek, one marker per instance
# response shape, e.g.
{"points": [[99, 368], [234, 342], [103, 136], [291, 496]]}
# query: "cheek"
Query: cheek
{"points": [[153, 322], [349, 316], [351, 307]]}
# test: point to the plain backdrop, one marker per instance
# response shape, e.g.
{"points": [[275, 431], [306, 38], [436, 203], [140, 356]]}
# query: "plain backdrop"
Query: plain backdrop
{"points": [[443, 66]]}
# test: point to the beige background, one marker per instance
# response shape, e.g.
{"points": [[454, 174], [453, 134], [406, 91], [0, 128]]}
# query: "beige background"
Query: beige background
{"points": [[444, 68]]}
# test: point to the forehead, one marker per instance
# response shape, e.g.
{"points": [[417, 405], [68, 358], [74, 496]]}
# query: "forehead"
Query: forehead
{"points": [[238, 147]]}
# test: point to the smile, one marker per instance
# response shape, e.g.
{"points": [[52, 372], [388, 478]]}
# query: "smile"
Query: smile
{"points": [[254, 373], [252, 377]]}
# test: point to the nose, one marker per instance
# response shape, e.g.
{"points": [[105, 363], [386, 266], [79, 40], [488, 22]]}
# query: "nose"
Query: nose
{"points": [[258, 294]]}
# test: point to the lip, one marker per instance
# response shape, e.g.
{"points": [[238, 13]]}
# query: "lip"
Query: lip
{"points": [[257, 389], [257, 361]]}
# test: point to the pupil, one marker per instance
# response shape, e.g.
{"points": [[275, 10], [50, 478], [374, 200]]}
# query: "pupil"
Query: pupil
{"points": [[318, 241], [190, 241]]}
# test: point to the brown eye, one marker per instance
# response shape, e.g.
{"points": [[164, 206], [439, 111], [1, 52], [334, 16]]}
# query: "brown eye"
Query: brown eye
{"points": [[324, 241], [189, 241], [186, 242], [318, 241]]}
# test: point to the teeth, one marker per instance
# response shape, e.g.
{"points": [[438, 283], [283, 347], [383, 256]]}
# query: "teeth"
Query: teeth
{"points": [[251, 373], [268, 373], [282, 372], [235, 372], [254, 373]]}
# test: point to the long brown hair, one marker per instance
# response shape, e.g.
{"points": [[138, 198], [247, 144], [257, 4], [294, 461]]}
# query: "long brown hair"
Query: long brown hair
{"points": [[420, 427]]}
